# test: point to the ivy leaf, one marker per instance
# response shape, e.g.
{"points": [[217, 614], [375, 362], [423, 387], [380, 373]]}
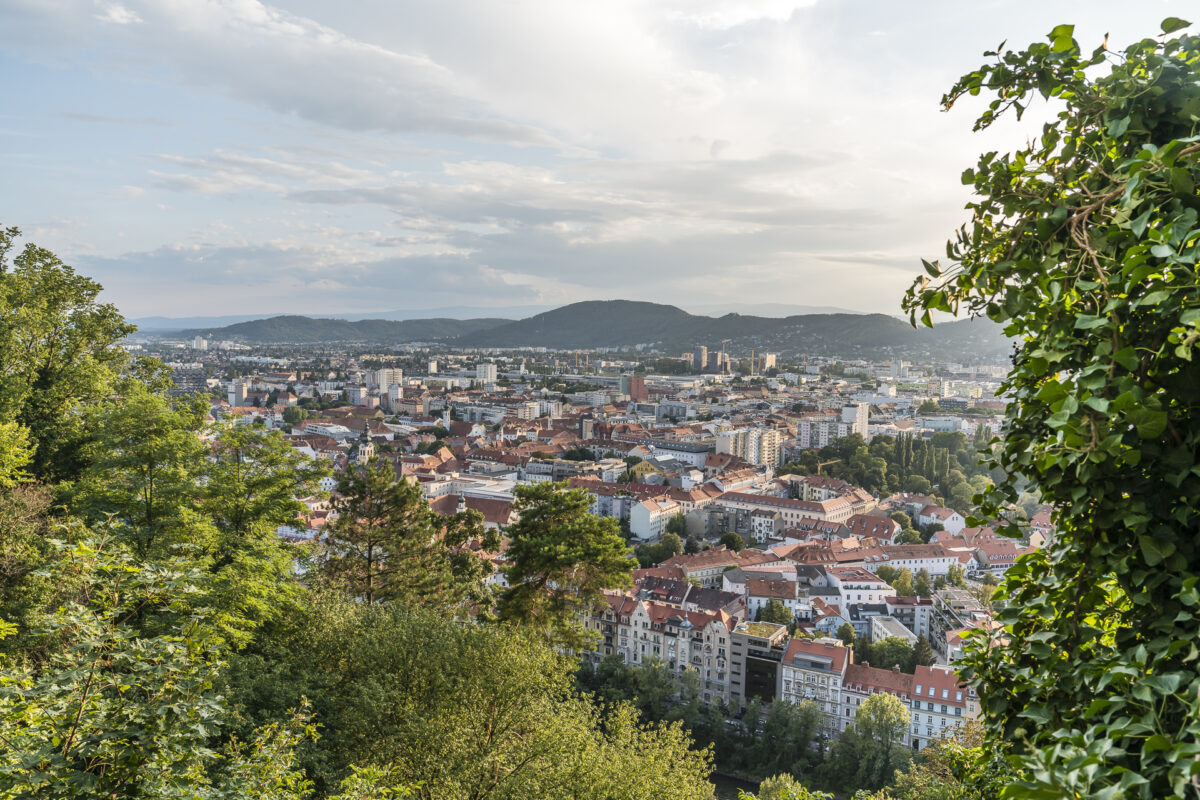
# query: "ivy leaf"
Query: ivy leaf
{"points": [[1149, 423]]}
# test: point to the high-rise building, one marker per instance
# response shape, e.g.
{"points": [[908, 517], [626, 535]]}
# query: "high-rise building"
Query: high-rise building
{"points": [[200, 343], [759, 446], [485, 372], [856, 415], [388, 376], [768, 361], [700, 358], [237, 392], [433, 366], [634, 386]]}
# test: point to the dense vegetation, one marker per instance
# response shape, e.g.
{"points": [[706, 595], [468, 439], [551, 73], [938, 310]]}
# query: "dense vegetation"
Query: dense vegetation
{"points": [[1084, 244], [946, 465], [158, 638]]}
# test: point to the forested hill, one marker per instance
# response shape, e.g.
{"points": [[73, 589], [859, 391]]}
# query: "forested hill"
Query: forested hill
{"points": [[626, 323], [298, 329]]}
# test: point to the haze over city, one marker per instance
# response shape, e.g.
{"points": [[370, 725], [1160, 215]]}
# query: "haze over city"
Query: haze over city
{"points": [[238, 157]]}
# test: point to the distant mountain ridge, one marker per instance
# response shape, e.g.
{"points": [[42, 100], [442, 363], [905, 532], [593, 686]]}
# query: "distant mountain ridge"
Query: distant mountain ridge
{"points": [[312, 330], [626, 323]]}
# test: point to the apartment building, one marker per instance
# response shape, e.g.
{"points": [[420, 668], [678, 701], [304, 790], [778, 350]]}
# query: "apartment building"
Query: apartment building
{"points": [[813, 670]]}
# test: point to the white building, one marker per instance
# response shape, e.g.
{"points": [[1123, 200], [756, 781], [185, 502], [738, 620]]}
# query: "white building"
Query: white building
{"points": [[485, 372], [818, 432], [759, 446], [856, 416], [389, 376], [857, 585], [814, 670], [648, 519]]}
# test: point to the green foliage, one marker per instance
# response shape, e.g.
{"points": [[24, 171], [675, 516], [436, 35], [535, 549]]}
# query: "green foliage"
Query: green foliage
{"points": [[846, 634], [114, 712], [959, 766], [733, 541], [775, 611], [743, 739], [15, 454], [58, 351], [868, 754], [466, 711], [923, 585], [655, 553], [922, 652], [783, 787], [560, 558], [956, 575], [945, 461], [892, 652], [1083, 243], [677, 525], [387, 544], [145, 460]]}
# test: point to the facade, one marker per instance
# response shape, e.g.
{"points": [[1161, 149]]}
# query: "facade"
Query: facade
{"points": [[681, 639], [758, 446], [813, 670], [485, 372], [939, 704], [756, 651], [648, 519], [389, 376]]}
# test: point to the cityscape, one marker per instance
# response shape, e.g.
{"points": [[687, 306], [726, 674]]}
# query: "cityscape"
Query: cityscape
{"points": [[625, 401]]}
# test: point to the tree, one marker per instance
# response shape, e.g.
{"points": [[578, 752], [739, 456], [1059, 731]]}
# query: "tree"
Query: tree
{"points": [[293, 415], [145, 462], [903, 583], [904, 519], [386, 543], [909, 536], [560, 559], [650, 554], [775, 611], [892, 652], [677, 524], [846, 633], [922, 652], [887, 573], [929, 407], [692, 545], [733, 541], [252, 482], [1081, 243], [460, 710], [881, 722], [112, 711], [956, 575], [923, 585], [58, 351]]}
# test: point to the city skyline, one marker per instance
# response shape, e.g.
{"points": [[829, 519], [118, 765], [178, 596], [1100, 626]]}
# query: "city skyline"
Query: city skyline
{"points": [[237, 157]]}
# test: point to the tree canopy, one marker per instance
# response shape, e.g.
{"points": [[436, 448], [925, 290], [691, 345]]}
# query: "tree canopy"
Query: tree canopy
{"points": [[1083, 243]]}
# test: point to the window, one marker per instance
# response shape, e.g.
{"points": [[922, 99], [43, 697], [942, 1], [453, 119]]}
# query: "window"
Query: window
{"points": [[945, 694], [918, 688], [958, 696]]}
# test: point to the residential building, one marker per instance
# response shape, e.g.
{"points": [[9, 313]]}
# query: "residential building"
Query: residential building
{"points": [[485, 372], [813, 670]]}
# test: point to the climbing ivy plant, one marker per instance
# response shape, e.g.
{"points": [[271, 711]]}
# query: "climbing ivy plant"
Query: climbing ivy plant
{"points": [[1084, 244]]}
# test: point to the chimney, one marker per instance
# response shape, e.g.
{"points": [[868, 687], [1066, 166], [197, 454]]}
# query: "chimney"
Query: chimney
{"points": [[896, 668]]}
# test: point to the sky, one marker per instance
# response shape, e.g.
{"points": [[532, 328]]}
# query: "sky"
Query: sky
{"points": [[204, 157]]}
